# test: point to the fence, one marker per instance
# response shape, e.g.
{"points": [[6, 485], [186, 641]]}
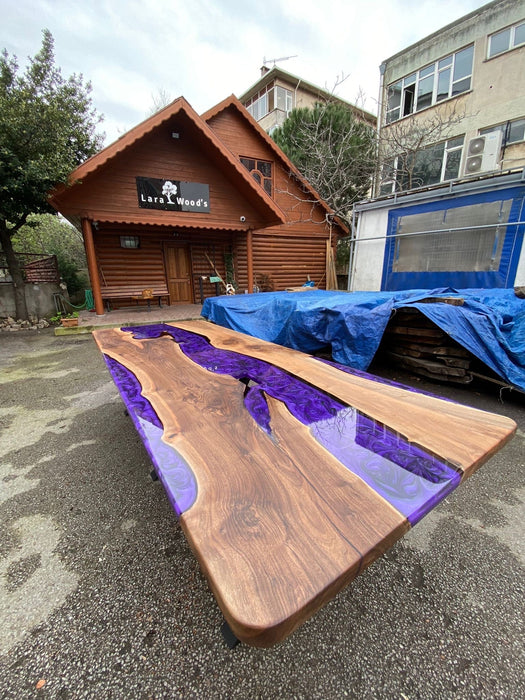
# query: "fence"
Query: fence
{"points": [[36, 268]]}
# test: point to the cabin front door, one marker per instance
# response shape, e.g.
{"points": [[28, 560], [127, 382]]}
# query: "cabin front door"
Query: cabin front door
{"points": [[178, 269]]}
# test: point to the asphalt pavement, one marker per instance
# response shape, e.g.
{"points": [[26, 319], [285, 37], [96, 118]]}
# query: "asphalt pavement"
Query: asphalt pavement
{"points": [[101, 597]]}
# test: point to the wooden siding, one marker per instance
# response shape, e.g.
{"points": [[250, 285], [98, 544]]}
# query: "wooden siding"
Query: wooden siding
{"points": [[299, 206], [235, 133], [215, 249], [240, 264], [145, 266], [286, 255], [110, 193], [288, 261], [284, 261], [283, 255], [118, 266]]}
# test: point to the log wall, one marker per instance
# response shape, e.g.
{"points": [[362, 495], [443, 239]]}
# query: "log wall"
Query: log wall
{"points": [[145, 266], [288, 261], [283, 255]]}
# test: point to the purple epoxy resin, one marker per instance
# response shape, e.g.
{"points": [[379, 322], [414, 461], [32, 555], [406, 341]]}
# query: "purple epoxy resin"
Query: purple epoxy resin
{"points": [[131, 390], [174, 472], [410, 479], [305, 402]]}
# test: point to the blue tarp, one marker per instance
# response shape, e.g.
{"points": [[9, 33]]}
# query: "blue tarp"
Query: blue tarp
{"points": [[490, 323]]}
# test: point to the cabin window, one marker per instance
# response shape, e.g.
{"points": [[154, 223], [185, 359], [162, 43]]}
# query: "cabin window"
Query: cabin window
{"points": [[130, 242], [261, 171]]}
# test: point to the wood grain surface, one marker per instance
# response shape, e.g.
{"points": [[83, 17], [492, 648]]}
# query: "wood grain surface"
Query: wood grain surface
{"points": [[463, 436], [279, 525]]}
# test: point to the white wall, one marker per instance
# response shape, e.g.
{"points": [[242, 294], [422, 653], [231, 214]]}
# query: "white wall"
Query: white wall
{"points": [[498, 83], [520, 272], [368, 258]]}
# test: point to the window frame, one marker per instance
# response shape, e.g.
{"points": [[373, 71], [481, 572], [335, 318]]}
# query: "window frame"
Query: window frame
{"points": [[129, 242], [506, 128], [262, 178], [265, 101], [409, 85], [395, 180], [512, 39]]}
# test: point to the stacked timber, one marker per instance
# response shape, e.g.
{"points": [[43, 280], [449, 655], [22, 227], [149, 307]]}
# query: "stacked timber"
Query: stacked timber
{"points": [[413, 342]]}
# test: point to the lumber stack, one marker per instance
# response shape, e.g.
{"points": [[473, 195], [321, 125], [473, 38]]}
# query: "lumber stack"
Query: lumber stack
{"points": [[416, 344]]}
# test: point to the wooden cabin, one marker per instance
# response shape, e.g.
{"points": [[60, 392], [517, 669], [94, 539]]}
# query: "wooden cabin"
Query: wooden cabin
{"points": [[182, 200]]}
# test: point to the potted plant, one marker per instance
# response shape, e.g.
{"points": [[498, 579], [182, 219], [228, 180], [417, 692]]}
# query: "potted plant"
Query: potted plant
{"points": [[67, 320], [70, 319]]}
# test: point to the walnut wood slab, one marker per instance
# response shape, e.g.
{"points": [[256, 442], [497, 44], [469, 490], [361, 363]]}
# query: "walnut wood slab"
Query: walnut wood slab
{"points": [[282, 507]]}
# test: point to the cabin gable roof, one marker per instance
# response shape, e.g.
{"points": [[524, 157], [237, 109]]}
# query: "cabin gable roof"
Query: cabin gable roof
{"points": [[67, 198], [232, 103]]}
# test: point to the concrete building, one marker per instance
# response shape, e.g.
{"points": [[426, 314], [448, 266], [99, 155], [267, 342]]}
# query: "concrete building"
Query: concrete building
{"points": [[453, 104], [271, 99], [449, 207]]}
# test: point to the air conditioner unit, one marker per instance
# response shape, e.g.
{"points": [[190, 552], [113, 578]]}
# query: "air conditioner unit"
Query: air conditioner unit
{"points": [[483, 153]]}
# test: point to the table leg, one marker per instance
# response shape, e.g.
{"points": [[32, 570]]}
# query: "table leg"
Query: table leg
{"points": [[230, 639]]}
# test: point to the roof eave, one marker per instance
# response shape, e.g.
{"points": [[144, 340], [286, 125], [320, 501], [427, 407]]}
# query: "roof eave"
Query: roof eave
{"points": [[276, 72], [260, 199]]}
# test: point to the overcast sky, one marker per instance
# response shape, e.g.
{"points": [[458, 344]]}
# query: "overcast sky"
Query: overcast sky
{"points": [[207, 49]]}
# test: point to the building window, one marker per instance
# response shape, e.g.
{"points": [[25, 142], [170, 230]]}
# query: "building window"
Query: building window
{"points": [[268, 99], [129, 242], [513, 131], [448, 77], [261, 171], [258, 107], [429, 166], [506, 39]]}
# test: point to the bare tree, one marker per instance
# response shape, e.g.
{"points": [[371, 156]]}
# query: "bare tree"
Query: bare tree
{"points": [[159, 100], [407, 150], [333, 147]]}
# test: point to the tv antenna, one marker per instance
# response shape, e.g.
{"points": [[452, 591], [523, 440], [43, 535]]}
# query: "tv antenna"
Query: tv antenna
{"points": [[275, 60]]}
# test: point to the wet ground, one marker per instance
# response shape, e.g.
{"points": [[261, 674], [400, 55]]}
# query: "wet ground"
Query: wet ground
{"points": [[101, 597]]}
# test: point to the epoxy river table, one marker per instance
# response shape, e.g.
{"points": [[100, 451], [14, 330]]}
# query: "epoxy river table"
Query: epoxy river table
{"points": [[289, 474]]}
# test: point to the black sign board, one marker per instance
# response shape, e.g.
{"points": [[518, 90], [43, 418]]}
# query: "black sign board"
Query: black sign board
{"points": [[172, 195]]}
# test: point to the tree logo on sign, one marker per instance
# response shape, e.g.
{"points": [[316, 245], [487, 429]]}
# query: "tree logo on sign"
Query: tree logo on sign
{"points": [[169, 190]]}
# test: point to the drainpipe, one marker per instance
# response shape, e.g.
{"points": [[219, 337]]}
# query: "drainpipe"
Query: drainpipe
{"points": [[382, 69], [87, 233]]}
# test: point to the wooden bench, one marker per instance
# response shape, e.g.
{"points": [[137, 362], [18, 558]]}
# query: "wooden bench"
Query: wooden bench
{"points": [[290, 475], [133, 293]]}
